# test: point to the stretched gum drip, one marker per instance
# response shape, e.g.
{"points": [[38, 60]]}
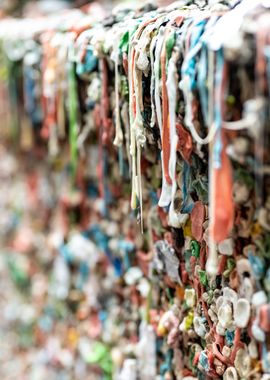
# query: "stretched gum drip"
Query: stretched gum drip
{"points": [[136, 123], [131, 55], [152, 85], [105, 101], [73, 114], [165, 137], [118, 140], [165, 196], [154, 62], [220, 184], [172, 91]]}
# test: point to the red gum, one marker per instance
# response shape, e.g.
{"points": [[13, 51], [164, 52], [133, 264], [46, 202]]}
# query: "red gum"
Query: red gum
{"points": [[106, 121], [236, 344]]}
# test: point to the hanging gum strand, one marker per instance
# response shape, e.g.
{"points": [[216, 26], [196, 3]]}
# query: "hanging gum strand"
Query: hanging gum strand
{"points": [[262, 37], [223, 184], [138, 124], [106, 121], [165, 196], [222, 192], [165, 140], [172, 91], [73, 118], [118, 140], [212, 260], [132, 132], [220, 196], [169, 83], [237, 344], [152, 86], [100, 173], [44, 103], [158, 48], [136, 180]]}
